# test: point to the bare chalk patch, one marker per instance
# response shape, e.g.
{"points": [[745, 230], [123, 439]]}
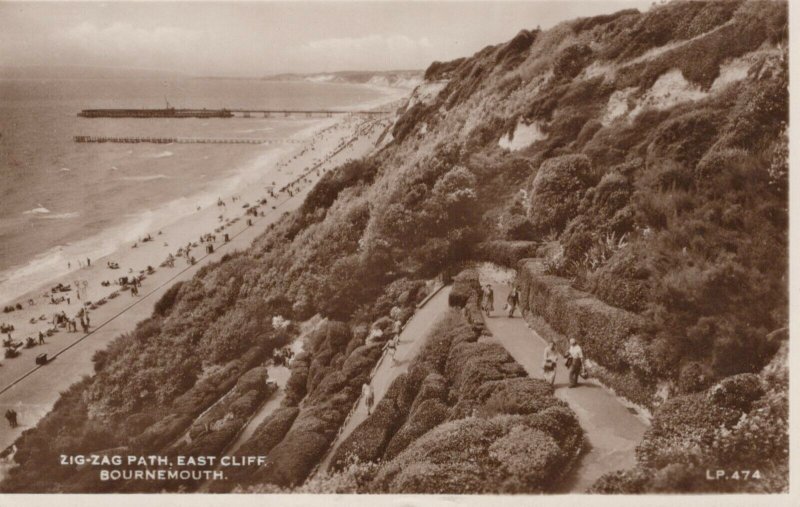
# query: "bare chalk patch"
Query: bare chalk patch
{"points": [[618, 105], [523, 136], [669, 90]]}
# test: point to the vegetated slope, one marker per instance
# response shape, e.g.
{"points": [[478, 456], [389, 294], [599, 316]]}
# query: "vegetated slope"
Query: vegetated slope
{"points": [[465, 418], [644, 154]]}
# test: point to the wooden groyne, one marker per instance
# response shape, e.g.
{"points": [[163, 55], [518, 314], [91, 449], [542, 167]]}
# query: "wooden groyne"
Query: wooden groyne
{"points": [[170, 140]]}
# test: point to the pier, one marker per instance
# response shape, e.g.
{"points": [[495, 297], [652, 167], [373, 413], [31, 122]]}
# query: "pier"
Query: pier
{"points": [[221, 113], [170, 140], [269, 113]]}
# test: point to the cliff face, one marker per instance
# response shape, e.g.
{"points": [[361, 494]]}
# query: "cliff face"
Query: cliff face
{"points": [[644, 154]]}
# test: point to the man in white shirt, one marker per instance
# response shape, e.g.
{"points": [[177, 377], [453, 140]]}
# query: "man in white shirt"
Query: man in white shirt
{"points": [[575, 361]]}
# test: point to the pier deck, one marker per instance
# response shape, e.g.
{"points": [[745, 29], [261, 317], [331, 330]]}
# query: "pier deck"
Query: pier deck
{"points": [[170, 140], [221, 113]]}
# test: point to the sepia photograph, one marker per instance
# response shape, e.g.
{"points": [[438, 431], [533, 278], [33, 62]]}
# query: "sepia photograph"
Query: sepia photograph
{"points": [[521, 248]]}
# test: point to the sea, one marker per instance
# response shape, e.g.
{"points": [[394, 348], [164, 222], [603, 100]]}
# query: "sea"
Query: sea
{"points": [[62, 201]]}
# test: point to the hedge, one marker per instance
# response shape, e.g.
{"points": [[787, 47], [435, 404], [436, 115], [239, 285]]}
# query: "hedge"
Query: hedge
{"points": [[198, 398], [505, 454], [506, 253], [603, 331], [370, 438], [266, 436]]}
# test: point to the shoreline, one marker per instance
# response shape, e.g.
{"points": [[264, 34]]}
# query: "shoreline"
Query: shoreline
{"points": [[32, 389], [113, 242]]}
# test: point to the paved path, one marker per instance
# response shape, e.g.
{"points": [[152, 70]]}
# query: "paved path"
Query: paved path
{"points": [[411, 340], [612, 432]]}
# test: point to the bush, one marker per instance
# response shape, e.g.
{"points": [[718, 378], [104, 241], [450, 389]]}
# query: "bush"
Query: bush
{"points": [[682, 428], [694, 377], [506, 253], [516, 396], [425, 416], [167, 301], [571, 61], [557, 190], [465, 285], [475, 455], [737, 392], [471, 365]]}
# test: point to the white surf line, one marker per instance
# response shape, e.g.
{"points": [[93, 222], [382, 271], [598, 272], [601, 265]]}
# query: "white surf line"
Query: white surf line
{"points": [[358, 133], [148, 294]]}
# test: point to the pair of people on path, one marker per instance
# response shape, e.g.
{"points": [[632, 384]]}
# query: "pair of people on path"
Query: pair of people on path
{"points": [[11, 417], [487, 299], [574, 361]]}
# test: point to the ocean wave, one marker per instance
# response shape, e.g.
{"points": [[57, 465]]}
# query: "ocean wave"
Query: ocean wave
{"points": [[163, 154], [251, 131], [41, 210], [61, 216], [149, 177], [64, 169]]}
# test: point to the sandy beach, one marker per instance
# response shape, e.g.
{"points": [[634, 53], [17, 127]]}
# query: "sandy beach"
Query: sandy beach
{"points": [[274, 184]]}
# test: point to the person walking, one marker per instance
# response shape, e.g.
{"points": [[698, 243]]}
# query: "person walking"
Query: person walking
{"points": [[369, 396], [513, 301], [549, 361], [488, 300], [41, 338], [574, 361], [391, 346]]}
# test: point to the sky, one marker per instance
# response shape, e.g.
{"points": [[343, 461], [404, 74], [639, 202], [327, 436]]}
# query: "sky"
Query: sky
{"points": [[261, 38]]}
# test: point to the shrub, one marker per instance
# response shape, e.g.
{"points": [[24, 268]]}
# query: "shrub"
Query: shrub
{"points": [[557, 191], [506, 253], [470, 365], [515, 396], [167, 301], [465, 285], [425, 416], [520, 228], [694, 377], [601, 330], [737, 392], [290, 462], [571, 61], [681, 428], [475, 455]]}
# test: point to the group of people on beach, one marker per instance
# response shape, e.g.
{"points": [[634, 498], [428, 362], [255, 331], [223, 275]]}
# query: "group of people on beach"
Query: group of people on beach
{"points": [[294, 187], [81, 264]]}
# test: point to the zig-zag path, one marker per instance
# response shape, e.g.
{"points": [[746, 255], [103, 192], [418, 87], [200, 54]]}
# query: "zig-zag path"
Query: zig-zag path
{"points": [[411, 340], [611, 430]]}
